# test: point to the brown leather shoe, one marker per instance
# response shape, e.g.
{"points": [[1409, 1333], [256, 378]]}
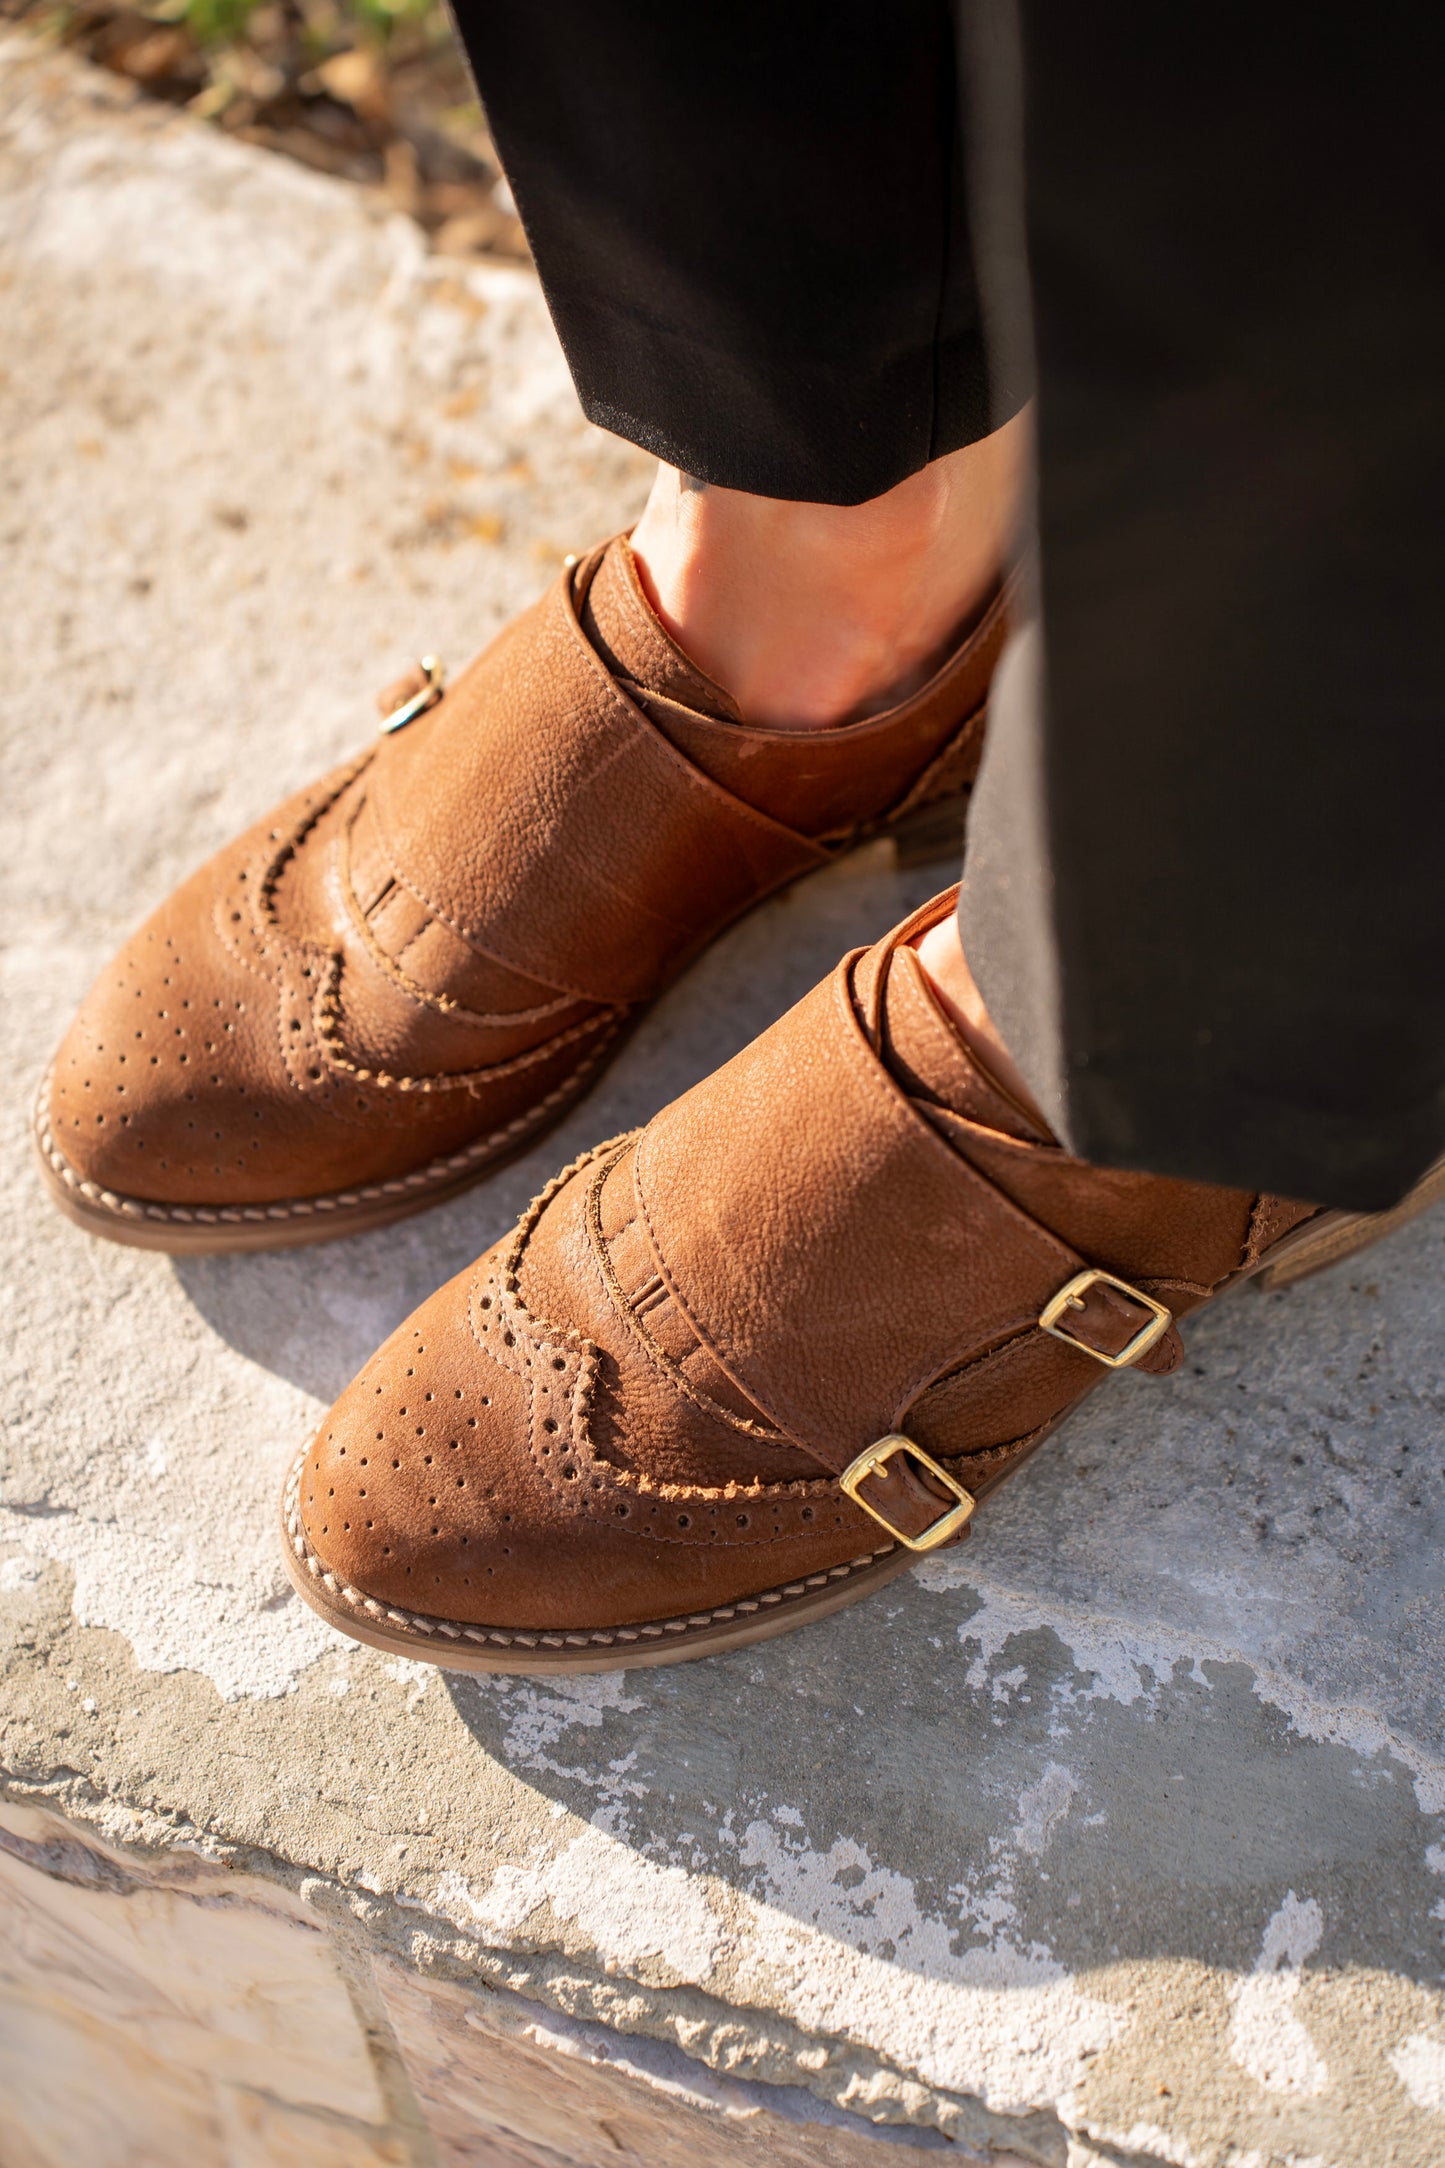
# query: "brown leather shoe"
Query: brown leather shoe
{"points": [[737, 1369], [408, 972]]}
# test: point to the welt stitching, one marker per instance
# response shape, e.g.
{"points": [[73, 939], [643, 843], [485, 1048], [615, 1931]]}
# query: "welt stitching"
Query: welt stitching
{"points": [[420, 1179], [604, 1637]]}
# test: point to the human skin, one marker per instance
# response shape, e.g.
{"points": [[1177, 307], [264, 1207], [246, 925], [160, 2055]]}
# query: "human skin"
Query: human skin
{"points": [[812, 615]]}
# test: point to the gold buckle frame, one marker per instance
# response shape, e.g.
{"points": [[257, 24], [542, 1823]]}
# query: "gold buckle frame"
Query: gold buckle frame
{"points": [[1072, 1298], [435, 672], [874, 1459]]}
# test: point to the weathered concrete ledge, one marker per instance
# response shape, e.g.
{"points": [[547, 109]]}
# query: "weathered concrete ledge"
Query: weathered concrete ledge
{"points": [[1117, 1838]]}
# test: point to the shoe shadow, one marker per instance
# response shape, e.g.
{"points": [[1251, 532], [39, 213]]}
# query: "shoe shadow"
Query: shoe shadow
{"points": [[1175, 1689], [313, 1316]]}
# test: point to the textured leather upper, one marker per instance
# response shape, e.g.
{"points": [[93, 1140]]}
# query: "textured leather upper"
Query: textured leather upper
{"points": [[433, 949], [637, 1405]]}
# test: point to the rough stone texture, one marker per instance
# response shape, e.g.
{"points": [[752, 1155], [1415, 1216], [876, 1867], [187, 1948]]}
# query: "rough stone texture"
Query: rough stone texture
{"points": [[172, 2012], [1116, 1837]]}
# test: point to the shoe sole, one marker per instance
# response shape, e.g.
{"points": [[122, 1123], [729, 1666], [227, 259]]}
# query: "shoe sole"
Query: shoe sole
{"points": [[457, 1645], [933, 833]]}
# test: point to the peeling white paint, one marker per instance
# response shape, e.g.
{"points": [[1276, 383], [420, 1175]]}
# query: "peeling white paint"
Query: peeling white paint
{"points": [[229, 1615], [833, 1941], [1127, 1660], [875, 1909], [537, 1716], [1266, 2037], [1043, 1806], [1419, 2064], [993, 2020], [636, 1914]]}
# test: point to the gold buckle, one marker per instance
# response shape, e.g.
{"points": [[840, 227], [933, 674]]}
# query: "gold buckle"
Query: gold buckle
{"points": [[1072, 1298], [874, 1461], [435, 672]]}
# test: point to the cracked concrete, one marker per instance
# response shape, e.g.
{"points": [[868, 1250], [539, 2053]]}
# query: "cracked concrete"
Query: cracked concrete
{"points": [[1118, 1837]]}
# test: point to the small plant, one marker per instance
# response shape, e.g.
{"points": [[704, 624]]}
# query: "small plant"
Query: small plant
{"points": [[380, 19], [217, 22]]}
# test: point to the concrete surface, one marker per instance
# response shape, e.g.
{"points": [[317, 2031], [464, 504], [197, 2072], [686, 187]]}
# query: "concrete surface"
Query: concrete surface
{"points": [[1118, 1838]]}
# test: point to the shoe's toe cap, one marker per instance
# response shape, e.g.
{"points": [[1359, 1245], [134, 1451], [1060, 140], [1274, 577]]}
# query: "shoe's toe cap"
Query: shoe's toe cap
{"points": [[458, 1482], [162, 1086], [418, 1490]]}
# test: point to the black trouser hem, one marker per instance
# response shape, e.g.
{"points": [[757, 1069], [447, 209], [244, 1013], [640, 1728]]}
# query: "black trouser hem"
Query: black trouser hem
{"points": [[803, 431]]}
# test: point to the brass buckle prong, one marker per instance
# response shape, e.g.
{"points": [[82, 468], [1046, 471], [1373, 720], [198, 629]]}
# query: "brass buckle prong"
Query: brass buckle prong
{"points": [[434, 670], [1071, 1297], [874, 1459]]}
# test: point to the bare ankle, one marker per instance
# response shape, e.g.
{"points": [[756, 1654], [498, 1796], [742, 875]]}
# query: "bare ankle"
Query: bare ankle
{"points": [[815, 614], [940, 952]]}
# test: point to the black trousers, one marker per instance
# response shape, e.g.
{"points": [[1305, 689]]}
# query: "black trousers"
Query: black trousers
{"points": [[801, 250]]}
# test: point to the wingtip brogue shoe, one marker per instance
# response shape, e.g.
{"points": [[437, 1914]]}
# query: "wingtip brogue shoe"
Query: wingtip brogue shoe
{"points": [[409, 971], [742, 1366]]}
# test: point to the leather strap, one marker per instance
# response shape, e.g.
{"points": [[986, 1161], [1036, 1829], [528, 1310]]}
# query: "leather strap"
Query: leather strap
{"points": [[573, 825], [888, 1257], [832, 784]]}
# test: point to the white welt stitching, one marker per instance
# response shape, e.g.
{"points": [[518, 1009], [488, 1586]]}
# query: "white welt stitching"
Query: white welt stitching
{"points": [[422, 1178], [609, 1637]]}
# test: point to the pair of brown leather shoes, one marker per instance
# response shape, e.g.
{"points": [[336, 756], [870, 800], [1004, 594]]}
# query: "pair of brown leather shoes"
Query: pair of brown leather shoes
{"points": [[730, 1372]]}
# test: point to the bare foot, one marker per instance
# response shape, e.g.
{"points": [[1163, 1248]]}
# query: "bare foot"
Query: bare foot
{"points": [[817, 614]]}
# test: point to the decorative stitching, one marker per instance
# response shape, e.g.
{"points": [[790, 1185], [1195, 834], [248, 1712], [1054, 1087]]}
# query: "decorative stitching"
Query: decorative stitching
{"points": [[258, 898], [266, 888], [391, 965], [438, 1171], [541, 1333], [555, 1638], [328, 1021], [659, 1356]]}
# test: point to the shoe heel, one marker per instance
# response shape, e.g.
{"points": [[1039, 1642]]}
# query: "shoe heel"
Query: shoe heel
{"points": [[930, 835], [1345, 1233]]}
